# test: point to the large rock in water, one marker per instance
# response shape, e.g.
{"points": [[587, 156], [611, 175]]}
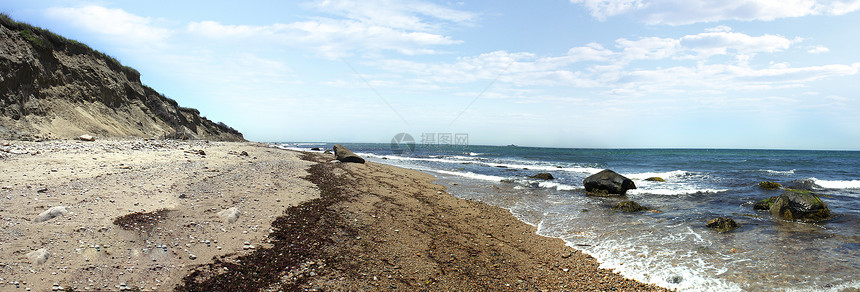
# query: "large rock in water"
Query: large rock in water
{"points": [[799, 205], [344, 155], [608, 182]]}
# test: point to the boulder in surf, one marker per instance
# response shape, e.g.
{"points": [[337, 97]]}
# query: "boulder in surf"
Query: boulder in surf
{"points": [[608, 182], [344, 155], [799, 205]]}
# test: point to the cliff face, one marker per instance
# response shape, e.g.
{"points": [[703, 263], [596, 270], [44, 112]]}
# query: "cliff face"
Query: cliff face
{"points": [[52, 87]]}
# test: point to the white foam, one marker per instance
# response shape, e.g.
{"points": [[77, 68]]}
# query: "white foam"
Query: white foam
{"points": [[778, 172], [669, 175], [636, 262], [456, 159], [837, 184], [557, 186], [673, 192], [471, 175], [300, 149], [590, 170]]}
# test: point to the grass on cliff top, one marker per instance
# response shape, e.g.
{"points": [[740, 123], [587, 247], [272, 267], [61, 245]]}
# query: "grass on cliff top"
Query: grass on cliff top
{"points": [[46, 39]]}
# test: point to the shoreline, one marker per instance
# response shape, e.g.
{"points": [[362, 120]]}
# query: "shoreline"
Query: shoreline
{"points": [[381, 227], [305, 224]]}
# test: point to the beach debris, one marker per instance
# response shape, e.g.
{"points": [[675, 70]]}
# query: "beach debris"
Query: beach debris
{"points": [[722, 224], [344, 155], [51, 213], [656, 179], [86, 137], [629, 207], [229, 215], [607, 182], [799, 205], [196, 151], [140, 221], [769, 185], [543, 176], [765, 204], [38, 257]]}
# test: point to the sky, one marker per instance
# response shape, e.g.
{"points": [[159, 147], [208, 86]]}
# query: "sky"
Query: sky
{"points": [[767, 74]]}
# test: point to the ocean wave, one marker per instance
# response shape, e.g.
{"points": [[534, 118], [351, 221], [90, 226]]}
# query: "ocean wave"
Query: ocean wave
{"points": [[589, 170], [471, 175], [673, 192], [837, 184], [557, 186], [289, 147], [778, 172], [668, 175]]}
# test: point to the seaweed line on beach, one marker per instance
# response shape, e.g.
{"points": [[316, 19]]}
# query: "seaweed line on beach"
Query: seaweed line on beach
{"points": [[297, 240]]}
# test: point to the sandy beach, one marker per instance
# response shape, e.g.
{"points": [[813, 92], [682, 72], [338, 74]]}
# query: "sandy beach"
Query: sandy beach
{"points": [[156, 215]]}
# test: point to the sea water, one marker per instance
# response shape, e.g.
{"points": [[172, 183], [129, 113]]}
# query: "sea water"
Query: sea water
{"points": [[670, 247]]}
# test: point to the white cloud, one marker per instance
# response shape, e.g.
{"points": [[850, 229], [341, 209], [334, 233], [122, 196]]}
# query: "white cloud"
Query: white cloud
{"points": [[405, 15], [719, 43], [619, 70], [328, 37], [818, 50], [409, 28], [679, 12], [121, 27]]}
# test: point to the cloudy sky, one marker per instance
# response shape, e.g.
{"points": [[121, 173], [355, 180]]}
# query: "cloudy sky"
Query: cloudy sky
{"points": [[579, 73]]}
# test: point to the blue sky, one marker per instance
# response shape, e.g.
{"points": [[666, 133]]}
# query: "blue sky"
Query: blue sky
{"points": [[579, 73]]}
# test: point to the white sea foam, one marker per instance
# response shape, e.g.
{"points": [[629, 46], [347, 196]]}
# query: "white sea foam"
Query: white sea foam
{"points": [[471, 175], [638, 263], [669, 175], [778, 172], [557, 186], [294, 148], [673, 192], [837, 184]]}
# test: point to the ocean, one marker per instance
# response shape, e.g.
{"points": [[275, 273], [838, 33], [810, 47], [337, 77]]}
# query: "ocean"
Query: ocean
{"points": [[671, 247]]}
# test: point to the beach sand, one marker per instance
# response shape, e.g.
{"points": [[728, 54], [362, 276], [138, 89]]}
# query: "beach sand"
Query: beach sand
{"points": [[309, 224], [98, 182]]}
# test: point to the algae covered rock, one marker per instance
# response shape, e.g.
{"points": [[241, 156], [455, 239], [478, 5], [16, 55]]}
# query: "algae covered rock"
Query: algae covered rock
{"points": [[543, 176], [769, 185], [799, 205], [723, 224], [764, 204], [656, 178], [607, 182], [629, 207]]}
